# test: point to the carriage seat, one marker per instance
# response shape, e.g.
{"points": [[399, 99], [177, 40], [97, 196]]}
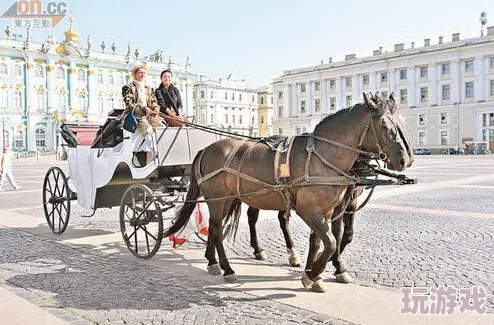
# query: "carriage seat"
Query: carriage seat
{"points": [[109, 134], [78, 134]]}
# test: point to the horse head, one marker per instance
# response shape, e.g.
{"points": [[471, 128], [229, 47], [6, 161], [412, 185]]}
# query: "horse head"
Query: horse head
{"points": [[387, 136]]}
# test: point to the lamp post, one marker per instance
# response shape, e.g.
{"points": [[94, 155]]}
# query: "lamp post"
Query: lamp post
{"points": [[458, 124]]}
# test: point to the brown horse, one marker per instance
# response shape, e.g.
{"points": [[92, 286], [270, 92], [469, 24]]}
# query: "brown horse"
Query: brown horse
{"points": [[232, 171]]}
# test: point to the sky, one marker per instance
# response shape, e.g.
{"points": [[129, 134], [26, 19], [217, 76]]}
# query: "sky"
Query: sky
{"points": [[258, 40]]}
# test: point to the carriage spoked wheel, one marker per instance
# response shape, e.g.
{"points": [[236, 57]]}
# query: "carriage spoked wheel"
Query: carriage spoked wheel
{"points": [[56, 200], [141, 221]]}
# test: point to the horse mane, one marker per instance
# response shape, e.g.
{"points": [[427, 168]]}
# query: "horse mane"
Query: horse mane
{"points": [[338, 114]]}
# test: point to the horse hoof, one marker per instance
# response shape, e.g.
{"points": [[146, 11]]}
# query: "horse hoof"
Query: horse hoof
{"points": [[230, 278], [343, 278], [306, 282], [214, 269], [294, 261], [318, 286], [261, 256]]}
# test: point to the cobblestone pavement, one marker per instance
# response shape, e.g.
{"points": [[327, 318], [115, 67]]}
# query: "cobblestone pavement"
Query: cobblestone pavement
{"points": [[438, 232]]}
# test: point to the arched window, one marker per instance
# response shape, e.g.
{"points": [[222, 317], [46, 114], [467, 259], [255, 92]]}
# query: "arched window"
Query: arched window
{"points": [[99, 78], [19, 140], [121, 80], [211, 119], [233, 119], [3, 69], [253, 120], [240, 119], [62, 102], [41, 100], [39, 71], [40, 138], [4, 98], [111, 103], [81, 75], [100, 104], [18, 99], [60, 73], [111, 80], [17, 70], [82, 101]]}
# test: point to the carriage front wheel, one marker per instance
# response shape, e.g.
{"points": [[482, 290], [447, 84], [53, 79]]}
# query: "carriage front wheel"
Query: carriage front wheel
{"points": [[141, 221], [56, 200]]}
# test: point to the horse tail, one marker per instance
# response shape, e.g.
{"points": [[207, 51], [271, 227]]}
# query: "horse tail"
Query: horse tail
{"points": [[183, 215], [230, 224]]}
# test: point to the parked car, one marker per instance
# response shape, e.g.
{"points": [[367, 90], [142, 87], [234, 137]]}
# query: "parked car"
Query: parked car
{"points": [[482, 151], [422, 151], [451, 151]]}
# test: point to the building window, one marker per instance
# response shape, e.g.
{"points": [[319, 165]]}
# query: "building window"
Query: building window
{"points": [[62, 102], [17, 70], [403, 96], [332, 84], [332, 103], [226, 118], [422, 139], [444, 138], [226, 95], [302, 106], [445, 68], [280, 131], [3, 69], [421, 119], [469, 66], [240, 119], [424, 94], [384, 77], [253, 98], [446, 92], [280, 111], [348, 82], [39, 71], [81, 76], [317, 85], [4, 99], [41, 101], [211, 118], [121, 80], [348, 101], [60, 73], [469, 89], [444, 118], [111, 81], [233, 119], [491, 63], [491, 84], [384, 94], [302, 88], [99, 78], [18, 99], [317, 105], [19, 140], [82, 101], [262, 100], [203, 94], [365, 79], [211, 94], [40, 136], [233, 96], [403, 74], [280, 95], [424, 71]]}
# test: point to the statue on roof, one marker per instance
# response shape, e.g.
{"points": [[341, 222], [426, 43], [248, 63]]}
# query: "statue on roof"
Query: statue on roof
{"points": [[128, 50], [89, 42], [7, 31], [103, 46], [136, 53], [113, 48], [46, 46]]}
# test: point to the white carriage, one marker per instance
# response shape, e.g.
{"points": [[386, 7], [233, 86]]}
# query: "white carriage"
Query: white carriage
{"points": [[105, 171]]}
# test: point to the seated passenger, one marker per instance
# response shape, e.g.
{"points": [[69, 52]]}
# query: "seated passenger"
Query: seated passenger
{"points": [[140, 99], [169, 100]]}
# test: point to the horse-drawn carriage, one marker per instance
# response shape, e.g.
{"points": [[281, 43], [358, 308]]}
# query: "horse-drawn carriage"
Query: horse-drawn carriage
{"points": [[105, 171], [229, 172]]}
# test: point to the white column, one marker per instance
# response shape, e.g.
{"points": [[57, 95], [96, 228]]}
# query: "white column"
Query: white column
{"points": [[50, 86], [324, 96], [457, 84], [340, 101], [436, 93], [479, 85], [356, 88], [287, 99]]}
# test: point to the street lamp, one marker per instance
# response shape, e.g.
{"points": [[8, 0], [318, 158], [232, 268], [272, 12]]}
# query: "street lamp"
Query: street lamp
{"points": [[458, 124]]}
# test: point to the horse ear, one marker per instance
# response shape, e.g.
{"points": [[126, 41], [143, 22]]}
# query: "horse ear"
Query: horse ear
{"points": [[369, 102], [392, 97]]}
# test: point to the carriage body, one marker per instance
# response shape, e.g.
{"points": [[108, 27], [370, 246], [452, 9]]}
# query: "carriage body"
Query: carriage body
{"points": [[104, 171]]}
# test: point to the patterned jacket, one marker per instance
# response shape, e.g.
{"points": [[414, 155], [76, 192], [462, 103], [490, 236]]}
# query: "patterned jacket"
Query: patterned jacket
{"points": [[131, 99]]}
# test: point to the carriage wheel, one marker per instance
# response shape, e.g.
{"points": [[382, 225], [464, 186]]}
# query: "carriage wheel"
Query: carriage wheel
{"points": [[56, 200], [141, 221]]}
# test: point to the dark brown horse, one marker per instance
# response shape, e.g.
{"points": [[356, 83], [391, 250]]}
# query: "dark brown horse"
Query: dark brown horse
{"points": [[233, 171]]}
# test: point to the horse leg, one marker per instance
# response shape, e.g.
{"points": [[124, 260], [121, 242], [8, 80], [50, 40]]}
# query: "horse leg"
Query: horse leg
{"points": [[253, 215], [293, 258], [314, 246], [323, 231], [213, 266], [217, 212], [343, 237]]}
